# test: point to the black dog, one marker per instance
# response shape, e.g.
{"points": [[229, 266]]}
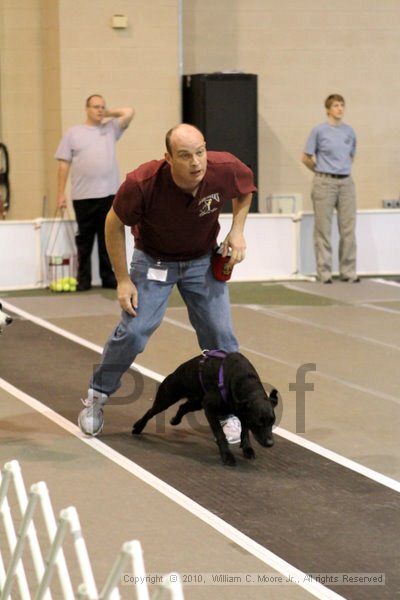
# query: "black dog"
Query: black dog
{"points": [[222, 385]]}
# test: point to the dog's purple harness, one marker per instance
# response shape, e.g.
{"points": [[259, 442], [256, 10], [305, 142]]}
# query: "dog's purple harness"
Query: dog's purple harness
{"points": [[214, 354]]}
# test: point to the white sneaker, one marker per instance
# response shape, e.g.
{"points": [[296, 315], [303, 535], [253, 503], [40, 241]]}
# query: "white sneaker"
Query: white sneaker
{"points": [[232, 429], [90, 419]]}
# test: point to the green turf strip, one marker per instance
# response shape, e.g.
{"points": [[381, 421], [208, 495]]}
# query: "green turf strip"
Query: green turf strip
{"points": [[274, 293], [240, 293]]}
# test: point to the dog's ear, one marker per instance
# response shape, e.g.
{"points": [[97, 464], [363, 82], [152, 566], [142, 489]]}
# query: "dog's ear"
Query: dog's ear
{"points": [[274, 397]]}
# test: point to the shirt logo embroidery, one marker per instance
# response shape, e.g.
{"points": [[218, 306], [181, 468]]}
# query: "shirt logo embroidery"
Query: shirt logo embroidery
{"points": [[206, 206]]}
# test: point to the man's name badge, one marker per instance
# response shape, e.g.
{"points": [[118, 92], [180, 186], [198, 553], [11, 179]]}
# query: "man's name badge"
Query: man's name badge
{"points": [[157, 274]]}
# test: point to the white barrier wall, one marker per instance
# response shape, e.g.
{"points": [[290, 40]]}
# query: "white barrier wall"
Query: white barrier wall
{"points": [[267, 256], [23, 248], [272, 251], [378, 243], [20, 254], [279, 246]]}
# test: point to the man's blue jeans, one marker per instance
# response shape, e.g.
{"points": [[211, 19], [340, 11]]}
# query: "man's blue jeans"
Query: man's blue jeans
{"points": [[207, 301]]}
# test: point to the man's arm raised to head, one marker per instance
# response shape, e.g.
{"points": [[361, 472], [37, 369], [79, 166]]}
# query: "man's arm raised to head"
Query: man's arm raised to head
{"points": [[124, 115]]}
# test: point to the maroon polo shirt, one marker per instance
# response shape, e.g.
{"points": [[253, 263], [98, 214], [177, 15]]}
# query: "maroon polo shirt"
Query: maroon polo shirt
{"points": [[170, 224]]}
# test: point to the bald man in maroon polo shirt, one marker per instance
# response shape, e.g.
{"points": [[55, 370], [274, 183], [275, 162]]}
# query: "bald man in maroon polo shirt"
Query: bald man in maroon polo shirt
{"points": [[172, 206]]}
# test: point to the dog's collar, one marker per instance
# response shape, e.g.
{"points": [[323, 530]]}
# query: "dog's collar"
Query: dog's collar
{"points": [[214, 354]]}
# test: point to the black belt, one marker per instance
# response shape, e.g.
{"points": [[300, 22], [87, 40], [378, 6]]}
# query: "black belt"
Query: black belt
{"points": [[334, 175]]}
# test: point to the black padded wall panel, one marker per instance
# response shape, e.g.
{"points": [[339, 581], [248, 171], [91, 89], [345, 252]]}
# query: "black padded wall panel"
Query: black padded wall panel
{"points": [[224, 107]]}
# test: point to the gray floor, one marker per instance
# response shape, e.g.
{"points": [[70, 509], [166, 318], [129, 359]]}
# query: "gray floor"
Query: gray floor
{"points": [[353, 410]]}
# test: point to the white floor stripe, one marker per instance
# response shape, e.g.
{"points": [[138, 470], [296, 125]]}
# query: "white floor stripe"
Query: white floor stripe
{"points": [[386, 281], [313, 291], [154, 375], [179, 324], [71, 336], [338, 458], [351, 302], [293, 437], [233, 534], [392, 311], [354, 386], [308, 323]]}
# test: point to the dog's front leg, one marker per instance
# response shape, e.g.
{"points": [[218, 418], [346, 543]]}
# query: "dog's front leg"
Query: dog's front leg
{"points": [[226, 455], [245, 444]]}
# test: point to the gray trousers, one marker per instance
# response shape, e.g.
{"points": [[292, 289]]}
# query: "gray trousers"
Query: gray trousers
{"points": [[327, 195]]}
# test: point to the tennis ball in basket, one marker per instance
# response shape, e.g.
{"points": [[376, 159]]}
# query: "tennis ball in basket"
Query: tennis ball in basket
{"points": [[72, 288], [72, 281], [65, 287], [59, 286]]}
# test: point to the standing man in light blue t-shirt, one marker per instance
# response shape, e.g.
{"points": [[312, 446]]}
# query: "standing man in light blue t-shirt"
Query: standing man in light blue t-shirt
{"points": [[329, 153], [88, 150]]}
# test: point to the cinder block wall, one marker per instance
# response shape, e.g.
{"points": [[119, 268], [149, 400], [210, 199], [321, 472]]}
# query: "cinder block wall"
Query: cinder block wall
{"points": [[54, 54], [302, 52], [21, 93]]}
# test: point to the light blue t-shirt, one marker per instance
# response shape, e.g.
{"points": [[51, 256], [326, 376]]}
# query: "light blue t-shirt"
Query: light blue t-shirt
{"points": [[91, 152], [333, 146]]}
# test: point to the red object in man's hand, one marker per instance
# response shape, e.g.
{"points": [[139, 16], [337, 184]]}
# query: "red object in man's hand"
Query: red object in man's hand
{"points": [[221, 270]]}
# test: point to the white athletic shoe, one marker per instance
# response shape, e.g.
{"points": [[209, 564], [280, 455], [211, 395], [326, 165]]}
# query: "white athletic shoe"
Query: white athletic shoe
{"points": [[90, 419], [232, 429]]}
